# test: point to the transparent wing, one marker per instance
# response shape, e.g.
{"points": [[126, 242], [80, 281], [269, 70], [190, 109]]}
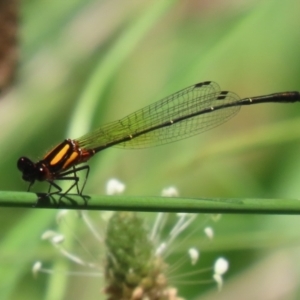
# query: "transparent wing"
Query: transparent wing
{"points": [[178, 116]]}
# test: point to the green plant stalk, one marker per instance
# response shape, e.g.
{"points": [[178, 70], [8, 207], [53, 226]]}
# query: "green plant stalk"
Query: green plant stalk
{"points": [[148, 203]]}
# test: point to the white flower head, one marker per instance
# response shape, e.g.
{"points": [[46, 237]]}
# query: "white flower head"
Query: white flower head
{"points": [[36, 268], [164, 237], [59, 238], [221, 266], [48, 235], [209, 232], [170, 192], [194, 255], [115, 187]]}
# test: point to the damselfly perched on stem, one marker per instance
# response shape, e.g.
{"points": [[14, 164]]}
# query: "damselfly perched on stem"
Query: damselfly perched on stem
{"points": [[190, 111]]}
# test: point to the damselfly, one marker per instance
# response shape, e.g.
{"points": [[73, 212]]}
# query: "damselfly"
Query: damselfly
{"points": [[190, 111]]}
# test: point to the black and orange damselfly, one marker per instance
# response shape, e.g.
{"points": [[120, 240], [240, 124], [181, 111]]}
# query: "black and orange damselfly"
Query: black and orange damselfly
{"points": [[188, 112]]}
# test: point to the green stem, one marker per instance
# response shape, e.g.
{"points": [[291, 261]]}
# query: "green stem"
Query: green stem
{"points": [[146, 203]]}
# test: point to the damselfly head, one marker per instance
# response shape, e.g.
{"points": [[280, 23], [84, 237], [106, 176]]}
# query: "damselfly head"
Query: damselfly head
{"points": [[30, 170]]}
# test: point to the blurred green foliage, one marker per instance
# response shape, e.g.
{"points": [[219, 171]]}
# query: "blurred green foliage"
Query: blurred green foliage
{"points": [[125, 56]]}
